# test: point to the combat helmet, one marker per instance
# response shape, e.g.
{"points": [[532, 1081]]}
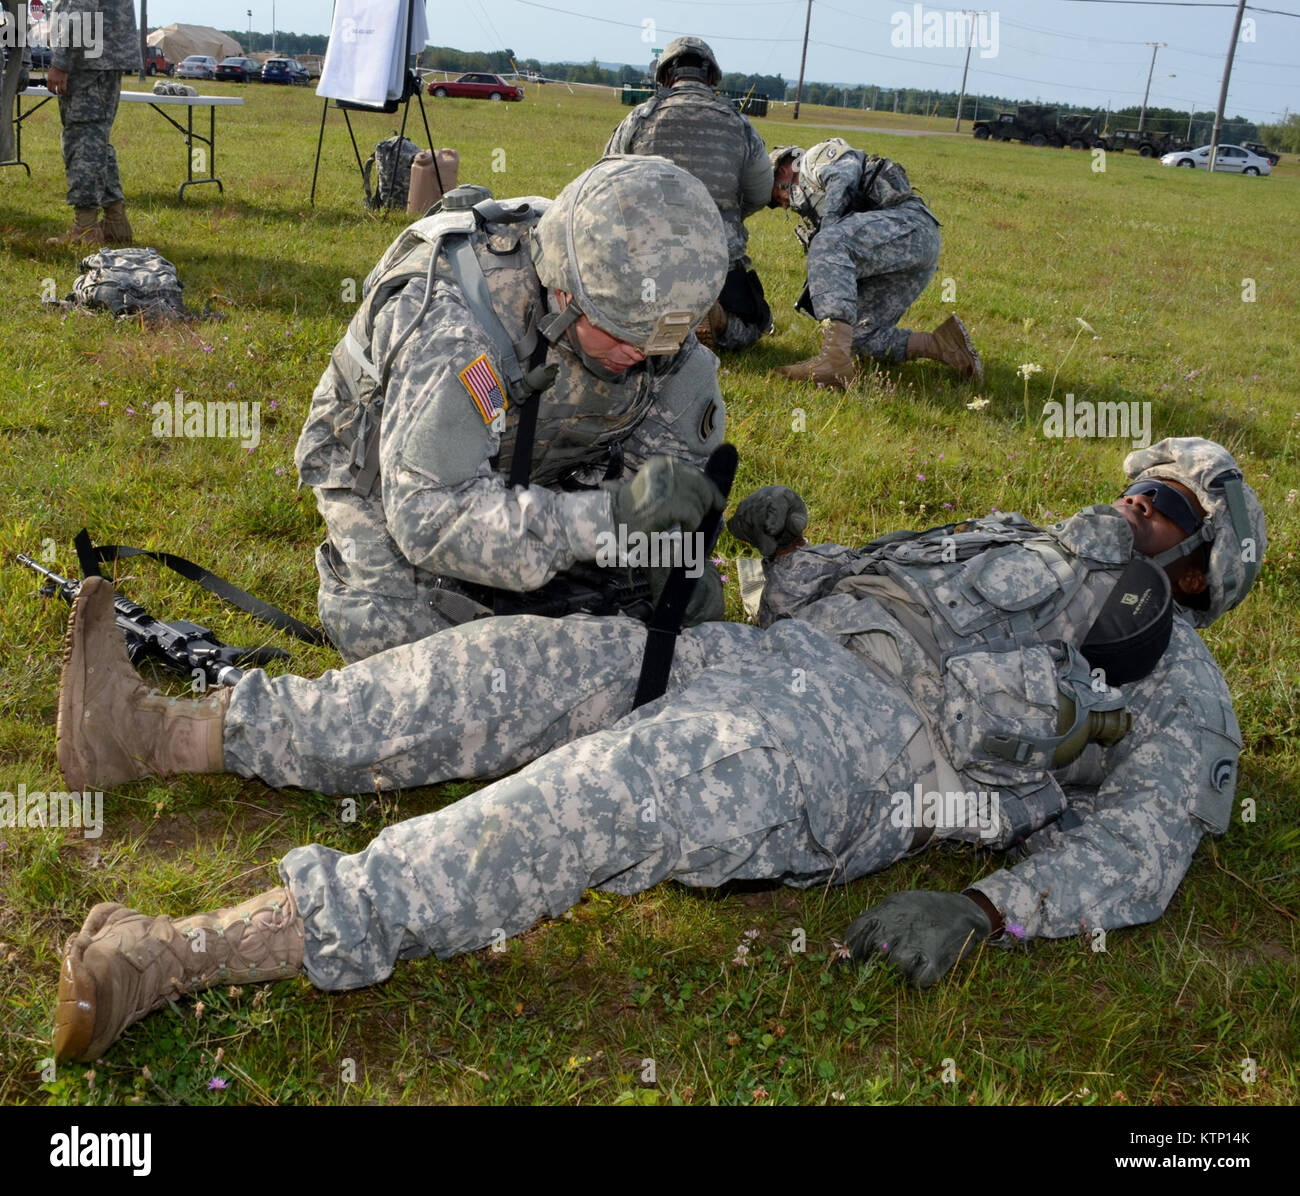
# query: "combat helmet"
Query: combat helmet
{"points": [[809, 193], [670, 68], [1233, 527], [639, 245]]}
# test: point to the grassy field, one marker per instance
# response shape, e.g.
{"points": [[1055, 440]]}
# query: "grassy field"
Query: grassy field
{"points": [[1154, 260]]}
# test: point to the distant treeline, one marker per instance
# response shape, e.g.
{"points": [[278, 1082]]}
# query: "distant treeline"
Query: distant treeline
{"points": [[285, 43], [912, 100]]}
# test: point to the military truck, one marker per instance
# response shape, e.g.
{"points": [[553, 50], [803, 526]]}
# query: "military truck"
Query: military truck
{"points": [[1039, 124], [1147, 143]]}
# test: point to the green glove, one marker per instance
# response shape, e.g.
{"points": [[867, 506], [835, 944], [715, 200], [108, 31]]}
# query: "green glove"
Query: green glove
{"points": [[665, 493], [923, 934], [708, 602], [770, 519]]}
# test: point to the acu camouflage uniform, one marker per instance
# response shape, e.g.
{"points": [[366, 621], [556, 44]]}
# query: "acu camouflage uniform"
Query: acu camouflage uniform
{"points": [[438, 514], [89, 106], [691, 125], [775, 753], [876, 246]]}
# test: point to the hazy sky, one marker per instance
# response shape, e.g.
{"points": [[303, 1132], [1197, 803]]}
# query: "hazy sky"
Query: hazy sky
{"points": [[1073, 50]]}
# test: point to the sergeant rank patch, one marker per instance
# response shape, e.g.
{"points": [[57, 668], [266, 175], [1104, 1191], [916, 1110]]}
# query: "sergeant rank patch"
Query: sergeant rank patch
{"points": [[484, 388]]}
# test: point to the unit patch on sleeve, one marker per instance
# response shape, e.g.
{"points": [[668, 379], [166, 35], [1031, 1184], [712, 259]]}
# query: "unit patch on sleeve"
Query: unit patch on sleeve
{"points": [[484, 388]]}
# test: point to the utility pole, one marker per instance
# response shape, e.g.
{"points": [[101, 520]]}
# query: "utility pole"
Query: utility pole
{"points": [[1188, 138], [803, 58], [250, 32], [970, 36], [1223, 89], [1155, 47], [272, 26]]}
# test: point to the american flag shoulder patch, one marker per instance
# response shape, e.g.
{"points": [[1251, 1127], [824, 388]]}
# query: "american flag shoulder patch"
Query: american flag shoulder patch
{"points": [[484, 388]]}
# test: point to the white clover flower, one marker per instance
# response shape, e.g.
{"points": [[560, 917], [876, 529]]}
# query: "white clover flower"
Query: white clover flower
{"points": [[1084, 324], [977, 404], [1029, 369]]}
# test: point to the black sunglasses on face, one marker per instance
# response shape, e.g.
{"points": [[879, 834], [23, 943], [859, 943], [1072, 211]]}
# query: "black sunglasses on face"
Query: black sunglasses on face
{"points": [[1169, 502]]}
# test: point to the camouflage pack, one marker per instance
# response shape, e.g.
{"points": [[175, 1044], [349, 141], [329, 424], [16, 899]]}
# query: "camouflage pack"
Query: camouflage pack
{"points": [[129, 282], [392, 159]]}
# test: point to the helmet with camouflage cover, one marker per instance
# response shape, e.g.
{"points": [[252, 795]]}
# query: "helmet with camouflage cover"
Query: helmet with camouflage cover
{"points": [[1233, 528], [809, 193], [687, 58], [639, 245]]}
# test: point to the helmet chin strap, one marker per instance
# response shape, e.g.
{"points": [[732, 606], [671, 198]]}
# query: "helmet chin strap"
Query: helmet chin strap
{"points": [[557, 325], [1185, 547]]}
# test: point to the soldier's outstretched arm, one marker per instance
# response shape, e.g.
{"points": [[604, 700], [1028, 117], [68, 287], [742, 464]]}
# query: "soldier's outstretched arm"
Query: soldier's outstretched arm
{"points": [[1168, 781], [756, 182], [842, 179]]}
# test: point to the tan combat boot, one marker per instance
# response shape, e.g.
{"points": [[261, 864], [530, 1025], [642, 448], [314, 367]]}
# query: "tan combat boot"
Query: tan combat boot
{"points": [[111, 726], [85, 230], [834, 365], [122, 965], [115, 226], [712, 326], [950, 344]]}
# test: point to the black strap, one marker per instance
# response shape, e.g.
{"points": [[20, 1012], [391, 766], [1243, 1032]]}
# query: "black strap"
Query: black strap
{"points": [[670, 611], [91, 556]]}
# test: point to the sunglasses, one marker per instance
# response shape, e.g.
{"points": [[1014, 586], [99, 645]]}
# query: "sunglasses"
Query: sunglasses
{"points": [[1169, 502]]}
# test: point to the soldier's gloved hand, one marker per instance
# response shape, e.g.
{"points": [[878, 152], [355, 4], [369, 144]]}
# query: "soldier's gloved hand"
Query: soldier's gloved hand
{"points": [[708, 602], [770, 519], [923, 934], [664, 493]]}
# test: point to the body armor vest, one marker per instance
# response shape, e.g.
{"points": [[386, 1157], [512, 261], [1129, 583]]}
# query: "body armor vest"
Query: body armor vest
{"points": [[579, 418]]}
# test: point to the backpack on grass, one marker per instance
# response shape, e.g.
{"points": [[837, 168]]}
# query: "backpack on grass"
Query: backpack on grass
{"points": [[393, 158], [129, 282]]}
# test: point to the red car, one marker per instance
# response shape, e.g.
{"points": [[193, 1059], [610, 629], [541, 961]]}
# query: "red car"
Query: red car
{"points": [[478, 86]]}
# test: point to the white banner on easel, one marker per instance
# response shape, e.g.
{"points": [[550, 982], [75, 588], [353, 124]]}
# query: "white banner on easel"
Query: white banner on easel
{"points": [[365, 62]]}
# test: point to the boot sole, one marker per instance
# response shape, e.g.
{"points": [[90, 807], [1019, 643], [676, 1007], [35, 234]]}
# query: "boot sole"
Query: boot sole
{"points": [[974, 369], [74, 1015]]}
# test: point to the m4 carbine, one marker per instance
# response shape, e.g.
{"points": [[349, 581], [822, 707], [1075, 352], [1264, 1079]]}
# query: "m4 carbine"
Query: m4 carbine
{"points": [[181, 647]]}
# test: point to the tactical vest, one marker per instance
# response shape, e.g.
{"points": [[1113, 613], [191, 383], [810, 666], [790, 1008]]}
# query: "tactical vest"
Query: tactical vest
{"points": [[1000, 594], [581, 418], [703, 134]]}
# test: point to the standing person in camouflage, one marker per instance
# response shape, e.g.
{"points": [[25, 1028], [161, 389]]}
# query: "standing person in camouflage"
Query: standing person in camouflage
{"points": [[688, 123], [417, 441], [943, 665], [873, 245], [87, 78]]}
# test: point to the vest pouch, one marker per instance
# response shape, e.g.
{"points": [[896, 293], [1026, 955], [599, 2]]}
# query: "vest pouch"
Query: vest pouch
{"points": [[996, 705]]}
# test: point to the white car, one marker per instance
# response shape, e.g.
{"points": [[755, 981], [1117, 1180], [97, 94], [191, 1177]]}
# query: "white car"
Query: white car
{"points": [[197, 66], [1231, 158]]}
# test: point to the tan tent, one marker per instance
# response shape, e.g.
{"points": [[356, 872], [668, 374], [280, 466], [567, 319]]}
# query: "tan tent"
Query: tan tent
{"points": [[180, 41]]}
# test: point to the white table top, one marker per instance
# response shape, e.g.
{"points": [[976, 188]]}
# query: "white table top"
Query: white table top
{"points": [[147, 97]]}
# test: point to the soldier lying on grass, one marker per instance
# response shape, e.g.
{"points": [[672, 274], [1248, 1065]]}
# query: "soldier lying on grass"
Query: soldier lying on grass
{"points": [[947, 663]]}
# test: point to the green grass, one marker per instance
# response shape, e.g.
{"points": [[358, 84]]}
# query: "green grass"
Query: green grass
{"points": [[1154, 259]]}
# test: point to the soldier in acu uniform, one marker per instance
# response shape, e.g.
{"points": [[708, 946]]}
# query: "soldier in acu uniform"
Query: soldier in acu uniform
{"points": [[873, 245], [966, 663], [688, 123], [507, 358], [87, 78]]}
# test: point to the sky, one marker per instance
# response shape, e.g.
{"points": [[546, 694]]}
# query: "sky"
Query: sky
{"points": [[1086, 52]]}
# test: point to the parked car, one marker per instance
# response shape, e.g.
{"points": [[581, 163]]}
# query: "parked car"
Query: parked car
{"points": [[238, 70], [155, 62], [281, 70], [477, 86], [1258, 147], [40, 56], [301, 75], [1231, 158], [197, 66]]}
